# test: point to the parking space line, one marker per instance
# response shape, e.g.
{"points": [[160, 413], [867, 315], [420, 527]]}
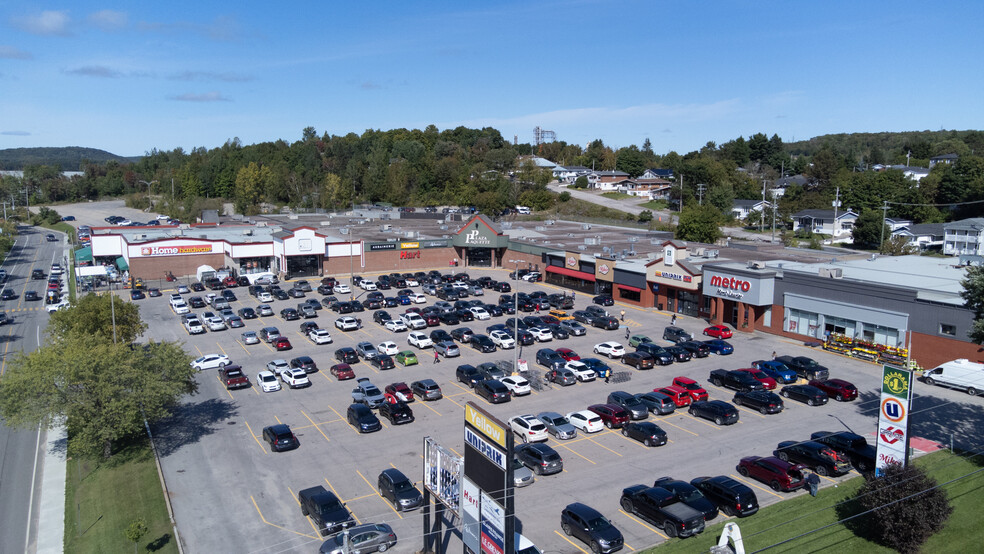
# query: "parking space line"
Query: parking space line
{"points": [[577, 454], [199, 351], [699, 420], [330, 486], [395, 511], [217, 343], [427, 405], [744, 409], [633, 441], [603, 446], [315, 425], [243, 346], [217, 378], [749, 482], [294, 496], [252, 434], [827, 478], [678, 427], [278, 419], [643, 523], [561, 535], [314, 537]]}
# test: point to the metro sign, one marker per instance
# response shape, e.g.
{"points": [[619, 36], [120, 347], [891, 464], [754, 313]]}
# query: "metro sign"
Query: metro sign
{"points": [[730, 283]]}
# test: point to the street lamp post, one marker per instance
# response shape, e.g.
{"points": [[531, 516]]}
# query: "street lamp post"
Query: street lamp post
{"points": [[516, 320], [146, 183]]}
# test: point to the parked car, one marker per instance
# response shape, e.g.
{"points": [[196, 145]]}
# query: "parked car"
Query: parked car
{"points": [[280, 437], [529, 428], [211, 361], [588, 525], [646, 432], [807, 368], [492, 391], [426, 389], [540, 458], [697, 349], [850, 446], [369, 537], [762, 377], [613, 416], [718, 332], [398, 413], [627, 401], [778, 474], [557, 425], [611, 349], [679, 395], [586, 420], [819, 457], [719, 347], [718, 411], [776, 370], [367, 393], [657, 402], [326, 511], [638, 360], [676, 334], [603, 300], [295, 378], [394, 486], [735, 499], [517, 385], [406, 358], [342, 372], [398, 392], [661, 508], [561, 376], [764, 401], [735, 380], [362, 418], [366, 350], [696, 392], [582, 371], [807, 394], [838, 389]]}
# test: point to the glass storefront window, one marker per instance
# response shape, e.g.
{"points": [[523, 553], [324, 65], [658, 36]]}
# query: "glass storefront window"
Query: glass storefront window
{"points": [[804, 323], [630, 295], [688, 303]]}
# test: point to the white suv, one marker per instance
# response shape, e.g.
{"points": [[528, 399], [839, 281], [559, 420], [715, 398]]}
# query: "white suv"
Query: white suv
{"points": [[502, 339], [529, 428], [419, 340], [268, 381], [413, 320], [319, 336]]}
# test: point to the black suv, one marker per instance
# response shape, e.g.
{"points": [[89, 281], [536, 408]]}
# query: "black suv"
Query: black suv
{"points": [[326, 511], [280, 438], [396, 412], [587, 524], [482, 343], [394, 486], [468, 374], [762, 400], [734, 498], [347, 355], [659, 354]]}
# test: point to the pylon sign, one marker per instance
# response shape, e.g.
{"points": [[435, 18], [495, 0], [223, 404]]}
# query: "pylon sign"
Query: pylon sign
{"points": [[893, 418]]}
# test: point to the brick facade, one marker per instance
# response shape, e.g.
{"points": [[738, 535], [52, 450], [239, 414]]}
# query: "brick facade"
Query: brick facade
{"points": [[931, 351], [152, 268]]}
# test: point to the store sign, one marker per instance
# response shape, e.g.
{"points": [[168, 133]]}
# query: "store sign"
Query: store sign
{"points": [[174, 250], [434, 244], [475, 238], [893, 418], [673, 276], [749, 290], [409, 245], [572, 260], [443, 473], [494, 432], [409, 254], [470, 515], [383, 246], [496, 456], [604, 269], [493, 526]]}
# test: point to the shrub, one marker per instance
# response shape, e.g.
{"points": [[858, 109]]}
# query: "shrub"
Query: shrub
{"points": [[564, 196], [645, 216]]}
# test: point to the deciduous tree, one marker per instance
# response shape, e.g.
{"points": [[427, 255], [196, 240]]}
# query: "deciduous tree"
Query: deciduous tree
{"points": [[699, 224]]}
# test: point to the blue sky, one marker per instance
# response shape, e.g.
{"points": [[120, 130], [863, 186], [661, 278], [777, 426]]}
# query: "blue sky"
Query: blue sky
{"points": [[131, 76]]}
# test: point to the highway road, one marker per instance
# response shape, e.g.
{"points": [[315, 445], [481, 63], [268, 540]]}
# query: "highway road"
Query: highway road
{"points": [[22, 451]]}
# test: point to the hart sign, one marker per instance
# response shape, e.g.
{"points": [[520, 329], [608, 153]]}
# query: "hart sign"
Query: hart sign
{"points": [[893, 418]]}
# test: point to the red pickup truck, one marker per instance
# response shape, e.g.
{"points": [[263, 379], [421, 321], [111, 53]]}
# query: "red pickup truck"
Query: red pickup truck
{"points": [[233, 377]]}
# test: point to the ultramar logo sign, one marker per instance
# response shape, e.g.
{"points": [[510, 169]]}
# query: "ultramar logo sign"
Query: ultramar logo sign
{"points": [[496, 433]]}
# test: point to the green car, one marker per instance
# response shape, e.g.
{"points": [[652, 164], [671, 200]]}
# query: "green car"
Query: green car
{"points": [[407, 357], [636, 340]]}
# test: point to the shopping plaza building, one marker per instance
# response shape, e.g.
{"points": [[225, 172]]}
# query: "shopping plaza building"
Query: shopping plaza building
{"points": [[876, 304]]}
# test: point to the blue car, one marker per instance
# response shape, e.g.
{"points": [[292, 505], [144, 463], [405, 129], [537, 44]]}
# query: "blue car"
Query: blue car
{"points": [[599, 367], [777, 370], [720, 347], [404, 300]]}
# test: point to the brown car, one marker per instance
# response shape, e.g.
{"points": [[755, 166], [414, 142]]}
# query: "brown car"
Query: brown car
{"points": [[638, 360]]}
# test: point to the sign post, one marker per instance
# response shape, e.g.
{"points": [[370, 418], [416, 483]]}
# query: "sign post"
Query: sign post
{"points": [[487, 503], [893, 418]]}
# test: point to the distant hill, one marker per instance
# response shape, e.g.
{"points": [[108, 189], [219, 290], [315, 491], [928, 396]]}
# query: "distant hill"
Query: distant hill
{"points": [[923, 144], [67, 158]]}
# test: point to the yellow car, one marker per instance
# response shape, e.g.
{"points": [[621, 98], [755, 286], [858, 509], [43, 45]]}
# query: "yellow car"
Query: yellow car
{"points": [[561, 315]]}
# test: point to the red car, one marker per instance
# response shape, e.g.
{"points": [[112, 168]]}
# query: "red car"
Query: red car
{"points": [[718, 332], [230, 282], [342, 372], [398, 392], [412, 310], [696, 392], [282, 343], [768, 382], [681, 396], [431, 319], [838, 389], [780, 475], [567, 354], [613, 416]]}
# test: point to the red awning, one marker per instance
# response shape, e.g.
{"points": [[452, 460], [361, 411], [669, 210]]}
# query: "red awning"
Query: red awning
{"points": [[570, 272], [628, 287]]}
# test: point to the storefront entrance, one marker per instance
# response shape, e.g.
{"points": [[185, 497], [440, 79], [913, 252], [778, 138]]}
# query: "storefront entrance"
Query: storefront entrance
{"points": [[303, 266], [479, 257]]}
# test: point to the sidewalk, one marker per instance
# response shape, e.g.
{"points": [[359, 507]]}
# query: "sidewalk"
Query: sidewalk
{"points": [[51, 512]]}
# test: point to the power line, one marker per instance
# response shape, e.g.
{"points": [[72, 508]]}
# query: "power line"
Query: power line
{"points": [[938, 205]]}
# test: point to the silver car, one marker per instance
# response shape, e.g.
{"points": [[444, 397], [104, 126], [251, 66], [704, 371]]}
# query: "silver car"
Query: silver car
{"points": [[557, 425], [264, 310], [369, 537], [522, 475], [447, 348], [249, 337]]}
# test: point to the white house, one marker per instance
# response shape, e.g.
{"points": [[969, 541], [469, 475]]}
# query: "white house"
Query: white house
{"points": [[822, 221], [741, 208], [608, 180], [964, 237], [923, 235]]}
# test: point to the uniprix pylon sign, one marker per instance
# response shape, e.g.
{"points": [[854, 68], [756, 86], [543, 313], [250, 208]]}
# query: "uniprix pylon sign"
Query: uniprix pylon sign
{"points": [[893, 418]]}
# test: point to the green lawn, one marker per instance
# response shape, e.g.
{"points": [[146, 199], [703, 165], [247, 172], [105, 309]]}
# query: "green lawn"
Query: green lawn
{"points": [[103, 498], [617, 195], [799, 515], [655, 205]]}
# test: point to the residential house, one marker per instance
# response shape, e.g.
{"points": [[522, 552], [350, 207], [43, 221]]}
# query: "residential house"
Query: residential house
{"points": [[666, 174], [608, 180], [569, 173], [779, 187], [944, 159], [822, 221], [964, 237], [895, 223], [741, 208], [924, 236]]}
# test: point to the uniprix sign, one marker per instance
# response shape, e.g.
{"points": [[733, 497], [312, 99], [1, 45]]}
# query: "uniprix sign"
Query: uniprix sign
{"points": [[174, 250]]}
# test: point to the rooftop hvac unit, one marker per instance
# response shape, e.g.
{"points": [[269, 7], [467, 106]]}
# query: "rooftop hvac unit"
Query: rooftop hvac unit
{"points": [[261, 223], [344, 230], [651, 255], [712, 253], [506, 224], [248, 232], [581, 247], [570, 235], [606, 249], [292, 216], [633, 239], [592, 241], [325, 223], [586, 226], [141, 237], [700, 252], [546, 242], [540, 228], [386, 227], [832, 272], [549, 222], [756, 265], [443, 227], [410, 234]]}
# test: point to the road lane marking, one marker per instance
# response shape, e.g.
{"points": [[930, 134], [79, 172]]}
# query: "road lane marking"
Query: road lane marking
{"points": [[577, 453], [312, 537], [559, 534]]}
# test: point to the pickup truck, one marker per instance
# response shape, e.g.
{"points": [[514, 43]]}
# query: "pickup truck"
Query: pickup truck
{"points": [[851, 445], [660, 507], [735, 380], [327, 513], [232, 377], [807, 368]]}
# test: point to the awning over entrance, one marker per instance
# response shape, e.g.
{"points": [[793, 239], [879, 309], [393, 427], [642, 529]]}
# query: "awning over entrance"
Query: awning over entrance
{"points": [[570, 272], [628, 287], [121, 263], [83, 255]]}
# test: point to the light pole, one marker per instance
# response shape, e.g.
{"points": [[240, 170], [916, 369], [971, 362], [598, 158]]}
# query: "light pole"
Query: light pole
{"points": [[148, 184], [516, 320]]}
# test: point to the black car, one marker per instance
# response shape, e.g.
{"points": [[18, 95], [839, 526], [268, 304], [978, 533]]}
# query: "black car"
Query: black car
{"points": [[247, 313], [679, 354], [850, 446], [696, 349], [362, 418], [540, 458], [382, 362], [197, 287], [548, 357], [280, 438], [397, 412], [805, 393], [229, 295], [464, 315], [502, 286], [381, 317], [347, 355], [718, 411], [689, 495], [732, 497], [196, 302], [462, 334], [31, 295], [482, 343], [559, 332], [603, 300], [646, 432], [764, 401], [814, 455], [325, 510], [468, 374], [308, 326], [135, 294], [440, 335], [305, 363], [394, 486], [494, 392], [38, 274], [289, 314], [588, 525]]}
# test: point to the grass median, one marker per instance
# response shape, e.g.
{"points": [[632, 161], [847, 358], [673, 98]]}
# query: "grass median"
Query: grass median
{"points": [[103, 497], [797, 517]]}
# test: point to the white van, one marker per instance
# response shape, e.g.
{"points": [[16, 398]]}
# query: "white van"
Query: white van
{"points": [[961, 374], [523, 210]]}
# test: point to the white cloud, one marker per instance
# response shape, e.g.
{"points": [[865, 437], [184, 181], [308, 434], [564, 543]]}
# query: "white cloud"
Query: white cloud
{"points": [[210, 76], [12, 53], [108, 20], [213, 96], [15, 133], [49, 22], [100, 71]]}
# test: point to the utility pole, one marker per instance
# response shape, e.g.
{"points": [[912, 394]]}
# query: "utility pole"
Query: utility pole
{"points": [[681, 193], [774, 215], [700, 194], [836, 204], [881, 243], [5, 209], [762, 212]]}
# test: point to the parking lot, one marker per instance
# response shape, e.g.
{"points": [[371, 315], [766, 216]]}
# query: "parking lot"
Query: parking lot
{"points": [[230, 492]]}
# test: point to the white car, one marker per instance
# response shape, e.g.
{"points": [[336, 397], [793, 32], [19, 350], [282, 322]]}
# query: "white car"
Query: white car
{"points": [[395, 325], [413, 320], [388, 347], [63, 305], [418, 298], [193, 326], [516, 385], [341, 288], [216, 324], [210, 297], [180, 307], [346, 323], [541, 334], [480, 313], [502, 339], [264, 297], [529, 428], [368, 285], [611, 349], [277, 366], [295, 378], [586, 421], [583, 372], [211, 361], [250, 337], [319, 336], [412, 282], [419, 340], [532, 276], [267, 381]]}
